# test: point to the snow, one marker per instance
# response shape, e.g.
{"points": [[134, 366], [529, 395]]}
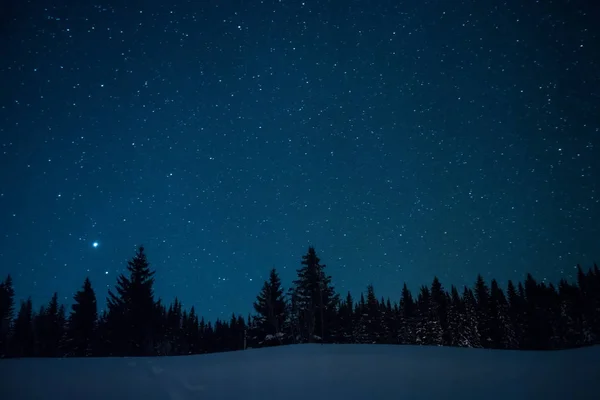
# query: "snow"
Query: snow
{"points": [[312, 371]]}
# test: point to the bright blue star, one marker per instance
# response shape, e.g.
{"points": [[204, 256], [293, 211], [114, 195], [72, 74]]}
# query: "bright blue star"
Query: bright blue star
{"points": [[95, 244]]}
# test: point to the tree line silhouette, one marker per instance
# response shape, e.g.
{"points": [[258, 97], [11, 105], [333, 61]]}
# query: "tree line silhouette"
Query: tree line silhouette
{"points": [[527, 316]]}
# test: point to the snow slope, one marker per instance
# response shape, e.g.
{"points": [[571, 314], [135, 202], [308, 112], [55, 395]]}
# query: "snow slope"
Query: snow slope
{"points": [[312, 372]]}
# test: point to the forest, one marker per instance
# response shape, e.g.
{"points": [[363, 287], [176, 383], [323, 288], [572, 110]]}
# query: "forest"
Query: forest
{"points": [[528, 315]]}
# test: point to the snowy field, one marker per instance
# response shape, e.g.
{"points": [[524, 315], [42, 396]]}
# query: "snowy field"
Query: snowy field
{"points": [[314, 372]]}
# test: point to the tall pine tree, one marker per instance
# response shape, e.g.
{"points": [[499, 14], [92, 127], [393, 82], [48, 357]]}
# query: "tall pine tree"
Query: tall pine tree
{"points": [[316, 299], [49, 329], [7, 313], [22, 340], [271, 311], [408, 318], [133, 311], [82, 324]]}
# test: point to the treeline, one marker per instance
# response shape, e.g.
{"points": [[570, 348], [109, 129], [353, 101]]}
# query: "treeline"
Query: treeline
{"points": [[528, 316]]}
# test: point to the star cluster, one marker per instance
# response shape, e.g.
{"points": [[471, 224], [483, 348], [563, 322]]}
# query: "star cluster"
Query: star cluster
{"points": [[402, 140]]}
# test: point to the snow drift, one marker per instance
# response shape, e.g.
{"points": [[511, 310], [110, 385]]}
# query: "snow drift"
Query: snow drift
{"points": [[313, 372]]}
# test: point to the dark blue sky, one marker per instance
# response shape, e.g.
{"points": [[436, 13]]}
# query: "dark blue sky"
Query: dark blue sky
{"points": [[403, 140]]}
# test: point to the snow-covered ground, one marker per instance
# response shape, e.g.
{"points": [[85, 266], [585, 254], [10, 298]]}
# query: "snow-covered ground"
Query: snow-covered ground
{"points": [[312, 372]]}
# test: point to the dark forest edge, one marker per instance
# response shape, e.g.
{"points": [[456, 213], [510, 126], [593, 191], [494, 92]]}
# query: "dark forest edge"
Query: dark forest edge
{"points": [[530, 316]]}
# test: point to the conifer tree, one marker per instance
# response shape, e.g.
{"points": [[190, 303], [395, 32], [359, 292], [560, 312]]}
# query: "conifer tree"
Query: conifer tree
{"points": [[439, 309], [271, 308], [7, 313], [457, 321], [570, 318], [82, 323], [22, 340], [536, 335], [482, 296], [49, 329], [516, 310], [132, 311], [408, 318], [191, 332], [502, 332], [389, 323], [373, 318], [316, 299], [429, 329], [361, 328], [174, 327], [471, 335], [346, 318]]}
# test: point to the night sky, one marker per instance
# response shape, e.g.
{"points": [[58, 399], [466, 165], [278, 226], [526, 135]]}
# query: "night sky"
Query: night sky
{"points": [[403, 140]]}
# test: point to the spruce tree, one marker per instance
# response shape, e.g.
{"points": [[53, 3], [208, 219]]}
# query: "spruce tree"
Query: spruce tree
{"points": [[439, 309], [82, 323], [316, 299], [373, 317], [482, 295], [191, 332], [132, 310], [271, 311], [457, 321], [7, 313], [471, 335], [347, 320], [360, 331], [389, 315], [542, 310], [49, 329], [407, 317], [502, 331], [516, 310], [22, 340], [174, 327]]}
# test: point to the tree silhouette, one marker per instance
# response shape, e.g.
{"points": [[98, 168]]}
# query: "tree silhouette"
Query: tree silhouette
{"points": [[7, 313], [82, 323], [49, 329], [22, 340], [271, 311], [132, 311], [408, 318], [316, 299]]}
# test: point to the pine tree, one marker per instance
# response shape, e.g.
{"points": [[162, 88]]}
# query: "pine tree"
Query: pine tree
{"points": [[271, 308], [174, 327], [49, 329], [373, 317], [316, 299], [439, 310], [570, 318], [7, 313], [482, 296], [82, 324], [589, 286], [407, 318], [191, 332], [502, 331], [346, 318], [429, 330], [539, 330], [22, 340], [457, 320], [132, 311], [360, 332], [389, 315], [471, 335], [516, 310]]}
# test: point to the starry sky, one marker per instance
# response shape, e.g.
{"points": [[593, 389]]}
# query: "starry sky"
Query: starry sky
{"points": [[403, 140]]}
